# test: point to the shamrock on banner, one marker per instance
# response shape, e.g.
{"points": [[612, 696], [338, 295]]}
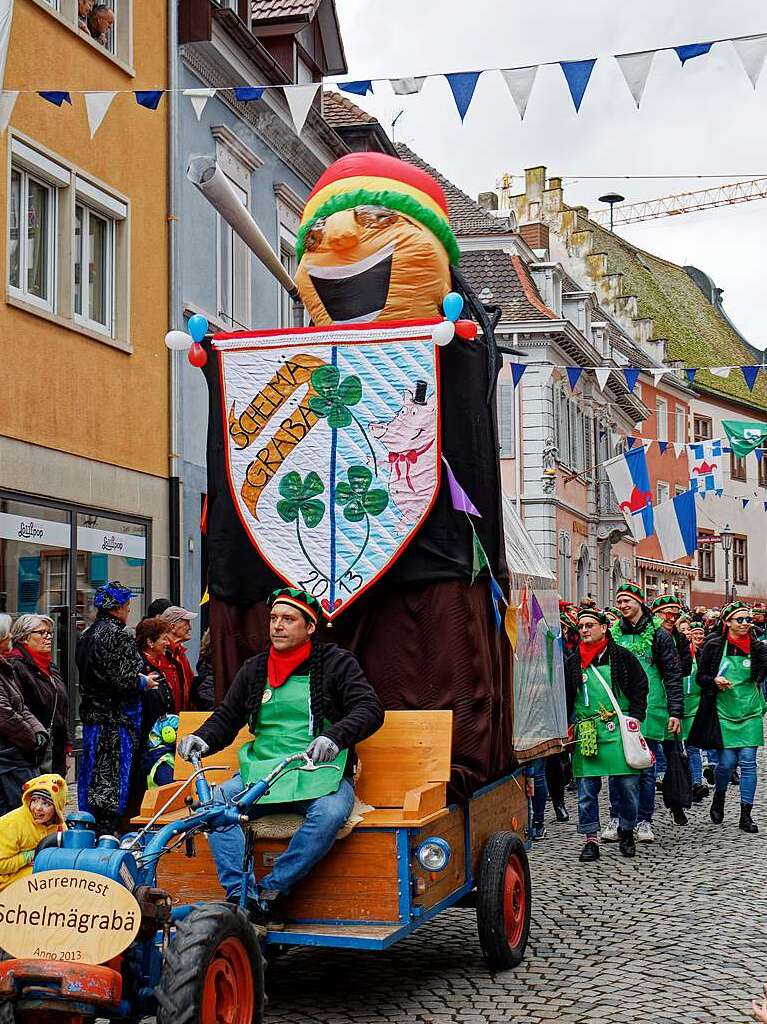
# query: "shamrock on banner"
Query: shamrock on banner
{"points": [[744, 435]]}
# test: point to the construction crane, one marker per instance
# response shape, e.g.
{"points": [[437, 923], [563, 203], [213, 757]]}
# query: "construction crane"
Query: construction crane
{"points": [[683, 202]]}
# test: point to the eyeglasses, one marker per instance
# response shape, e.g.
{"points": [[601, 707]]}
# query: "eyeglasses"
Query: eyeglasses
{"points": [[744, 621], [40, 632]]}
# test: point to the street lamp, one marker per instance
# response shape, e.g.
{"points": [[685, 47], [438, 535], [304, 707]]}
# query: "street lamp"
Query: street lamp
{"points": [[725, 539], [612, 198]]}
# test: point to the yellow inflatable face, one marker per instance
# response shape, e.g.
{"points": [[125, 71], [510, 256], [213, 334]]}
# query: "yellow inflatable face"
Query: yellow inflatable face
{"points": [[372, 263]]}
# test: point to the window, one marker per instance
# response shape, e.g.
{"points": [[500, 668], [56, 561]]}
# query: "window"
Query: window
{"points": [[651, 585], [94, 268], [661, 419], [505, 407], [565, 554], [679, 489], [740, 560], [680, 424], [761, 469], [702, 428], [737, 468], [292, 312], [664, 491], [706, 561], [32, 238], [233, 258]]}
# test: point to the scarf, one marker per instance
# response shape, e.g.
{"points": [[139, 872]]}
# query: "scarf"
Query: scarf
{"points": [[590, 652], [41, 659], [282, 664], [743, 643]]}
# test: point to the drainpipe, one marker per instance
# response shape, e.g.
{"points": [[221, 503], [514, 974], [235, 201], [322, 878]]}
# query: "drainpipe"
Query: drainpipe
{"points": [[175, 398], [518, 439]]}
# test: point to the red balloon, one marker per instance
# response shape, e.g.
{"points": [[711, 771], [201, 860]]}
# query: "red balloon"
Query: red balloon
{"points": [[197, 355], [466, 329]]}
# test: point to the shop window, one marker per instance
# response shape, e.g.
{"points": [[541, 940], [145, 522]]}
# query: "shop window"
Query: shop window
{"points": [[702, 428], [740, 560], [109, 549], [706, 560], [738, 468], [505, 411], [32, 238]]}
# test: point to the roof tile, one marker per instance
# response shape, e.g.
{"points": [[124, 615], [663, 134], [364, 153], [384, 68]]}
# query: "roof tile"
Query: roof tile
{"points": [[509, 285], [339, 111], [266, 9]]}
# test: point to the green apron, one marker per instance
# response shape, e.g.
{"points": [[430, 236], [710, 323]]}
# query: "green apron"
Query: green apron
{"points": [[740, 708], [282, 728], [656, 719], [691, 692], [594, 706]]}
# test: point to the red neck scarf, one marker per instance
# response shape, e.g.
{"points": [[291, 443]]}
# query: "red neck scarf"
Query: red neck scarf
{"points": [[743, 643], [41, 659], [282, 664], [590, 652]]}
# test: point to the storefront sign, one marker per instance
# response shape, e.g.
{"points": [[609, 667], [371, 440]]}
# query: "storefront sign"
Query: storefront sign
{"points": [[74, 916], [29, 530], [127, 545]]}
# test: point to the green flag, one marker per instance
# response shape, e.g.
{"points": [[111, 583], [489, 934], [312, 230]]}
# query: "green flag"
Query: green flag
{"points": [[744, 436], [479, 560]]}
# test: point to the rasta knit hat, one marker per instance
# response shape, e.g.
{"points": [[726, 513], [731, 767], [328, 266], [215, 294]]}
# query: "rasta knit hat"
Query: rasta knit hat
{"points": [[305, 603], [666, 603], [734, 606], [593, 613], [631, 589], [377, 179]]}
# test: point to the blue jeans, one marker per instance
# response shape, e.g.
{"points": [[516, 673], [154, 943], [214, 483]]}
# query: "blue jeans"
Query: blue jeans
{"points": [[625, 790], [324, 817], [536, 771], [646, 788], [712, 756], [729, 759], [660, 761], [696, 765]]}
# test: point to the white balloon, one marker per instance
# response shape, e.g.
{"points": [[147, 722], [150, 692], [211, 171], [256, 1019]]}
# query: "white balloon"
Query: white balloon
{"points": [[178, 341], [442, 333]]}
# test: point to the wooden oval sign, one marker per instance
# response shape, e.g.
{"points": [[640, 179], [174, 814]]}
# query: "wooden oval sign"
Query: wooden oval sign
{"points": [[75, 916]]}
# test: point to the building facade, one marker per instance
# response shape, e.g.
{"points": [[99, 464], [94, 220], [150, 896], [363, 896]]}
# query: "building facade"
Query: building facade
{"points": [[84, 442]]}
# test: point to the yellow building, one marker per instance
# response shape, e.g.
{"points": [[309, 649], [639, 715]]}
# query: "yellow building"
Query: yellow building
{"points": [[84, 444]]}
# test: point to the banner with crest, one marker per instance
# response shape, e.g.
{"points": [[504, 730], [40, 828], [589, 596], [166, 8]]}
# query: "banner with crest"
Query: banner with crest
{"points": [[332, 448]]}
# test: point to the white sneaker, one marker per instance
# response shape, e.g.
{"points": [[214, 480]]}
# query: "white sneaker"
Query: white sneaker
{"points": [[610, 831], [644, 832]]}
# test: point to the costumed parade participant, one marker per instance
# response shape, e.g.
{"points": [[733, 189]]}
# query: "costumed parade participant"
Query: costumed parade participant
{"points": [[299, 694], [597, 666], [668, 609], [43, 804], [691, 702], [731, 670], [112, 682], [759, 613], [642, 634]]}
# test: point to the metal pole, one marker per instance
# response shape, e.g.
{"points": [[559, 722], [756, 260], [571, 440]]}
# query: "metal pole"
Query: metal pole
{"points": [[727, 576]]}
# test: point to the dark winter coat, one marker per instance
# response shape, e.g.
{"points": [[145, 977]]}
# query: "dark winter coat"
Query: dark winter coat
{"points": [[18, 728], [109, 664], [204, 694], [626, 676], [705, 731], [47, 699], [351, 704], [664, 655], [683, 651]]}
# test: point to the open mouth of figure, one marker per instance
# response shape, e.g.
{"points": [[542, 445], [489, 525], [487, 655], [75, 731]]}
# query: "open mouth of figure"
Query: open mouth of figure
{"points": [[355, 293]]}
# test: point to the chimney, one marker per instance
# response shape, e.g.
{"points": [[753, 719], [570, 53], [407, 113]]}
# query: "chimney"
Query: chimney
{"points": [[488, 201], [536, 236]]}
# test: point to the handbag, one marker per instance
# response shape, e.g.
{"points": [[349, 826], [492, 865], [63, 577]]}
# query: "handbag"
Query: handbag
{"points": [[635, 749], [677, 780]]}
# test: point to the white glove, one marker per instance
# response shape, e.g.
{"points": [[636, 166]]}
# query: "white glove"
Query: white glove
{"points": [[192, 746], [322, 750]]}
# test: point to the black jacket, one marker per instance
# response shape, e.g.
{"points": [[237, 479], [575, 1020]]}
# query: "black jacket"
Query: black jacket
{"points": [[705, 731], [626, 676], [47, 699], [18, 726], [351, 704], [108, 663], [683, 651], [664, 655]]}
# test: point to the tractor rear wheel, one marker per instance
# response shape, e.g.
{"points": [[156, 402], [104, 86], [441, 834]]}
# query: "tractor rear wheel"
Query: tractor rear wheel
{"points": [[213, 971], [503, 901]]}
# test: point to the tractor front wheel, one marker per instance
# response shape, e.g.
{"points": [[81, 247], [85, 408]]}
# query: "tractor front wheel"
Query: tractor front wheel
{"points": [[503, 901], [213, 971]]}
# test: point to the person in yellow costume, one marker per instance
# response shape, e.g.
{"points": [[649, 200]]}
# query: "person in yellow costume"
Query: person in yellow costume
{"points": [[43, 801]]}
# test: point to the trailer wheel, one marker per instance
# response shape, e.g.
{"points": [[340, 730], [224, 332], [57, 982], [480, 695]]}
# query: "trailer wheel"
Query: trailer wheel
{"points": [[213, 971], [503, 901]]}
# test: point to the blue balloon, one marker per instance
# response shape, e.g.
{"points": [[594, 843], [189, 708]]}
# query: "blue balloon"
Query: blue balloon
{"points": [[452, 304], [197, 327]]}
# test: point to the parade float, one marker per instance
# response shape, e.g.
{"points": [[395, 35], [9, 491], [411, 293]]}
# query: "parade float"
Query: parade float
{"points": [[356, 459]]}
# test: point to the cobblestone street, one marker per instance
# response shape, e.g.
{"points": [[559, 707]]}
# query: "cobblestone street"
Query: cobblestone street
{"points": [[676, 935]]}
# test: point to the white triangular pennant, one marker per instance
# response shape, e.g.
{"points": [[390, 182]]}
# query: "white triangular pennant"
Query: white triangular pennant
{"points": [[7, 103], [520, 83], [752, 52], [602, 373], [545, 371], [96, 106], [657, 374], [721, 371], [300, 99], [199, 98], [635, 68], [407, 86], [679, 447]]}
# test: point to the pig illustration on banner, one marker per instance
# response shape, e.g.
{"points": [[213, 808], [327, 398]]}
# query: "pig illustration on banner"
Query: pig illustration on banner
{"points": [[409, 442]]}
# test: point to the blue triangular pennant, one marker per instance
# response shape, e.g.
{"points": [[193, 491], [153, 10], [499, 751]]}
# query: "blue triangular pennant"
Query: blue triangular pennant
{"points": [[765, 506], [56, 98], [701, 495], [691, 374], [517, 369], [631, 373], [577, 74], [149, 98], [574, 375], [361, 88], [496, 596], [719, 492], [462, 85], [744, 501], [663, 445], [759, 454], [750, 373], [691, 50], [630, 442], [246, 93]]}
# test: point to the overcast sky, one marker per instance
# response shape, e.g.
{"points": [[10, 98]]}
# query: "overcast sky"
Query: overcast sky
{"points": [[704, 118]]}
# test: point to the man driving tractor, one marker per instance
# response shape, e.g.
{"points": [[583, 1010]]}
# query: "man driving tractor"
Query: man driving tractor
{"points": [[298, 694]]}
